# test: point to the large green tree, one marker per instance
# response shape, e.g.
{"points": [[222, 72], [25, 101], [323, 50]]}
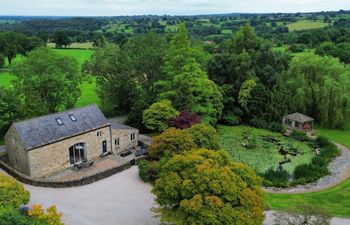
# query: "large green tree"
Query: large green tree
{"points": [[205, 187], [117, 87], [186, 83], [245, 57], [321, 89], [10, 108], [47, 82]]}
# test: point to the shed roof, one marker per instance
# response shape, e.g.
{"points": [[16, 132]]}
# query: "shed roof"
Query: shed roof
{"points": [[47, 129], [299, 117]]}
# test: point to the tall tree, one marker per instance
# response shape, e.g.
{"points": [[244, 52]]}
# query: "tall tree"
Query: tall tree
{"points": [[61, 39], [186, 84], [47, 82], [116, 84], [321, 89]]}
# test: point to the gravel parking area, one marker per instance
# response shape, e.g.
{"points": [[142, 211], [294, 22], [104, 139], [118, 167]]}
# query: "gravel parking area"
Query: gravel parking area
{"points": [[122, 199]]}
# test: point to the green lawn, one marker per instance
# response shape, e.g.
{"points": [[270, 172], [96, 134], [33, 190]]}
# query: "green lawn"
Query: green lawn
{"points": [[265, 155], [88, 92], [79, 54], [339, 136], [306, 25], [335, 200]]}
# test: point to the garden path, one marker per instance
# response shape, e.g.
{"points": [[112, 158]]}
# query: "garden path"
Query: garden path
{"points": [[340, 171]]}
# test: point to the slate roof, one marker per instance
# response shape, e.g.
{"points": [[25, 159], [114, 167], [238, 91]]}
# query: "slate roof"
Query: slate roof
{"points": [[299, 117], [119, 126], [44, 130]]}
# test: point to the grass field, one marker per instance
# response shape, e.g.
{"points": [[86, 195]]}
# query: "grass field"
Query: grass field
{"points": [[339, 136], [85, 45], [306, 25], [335, 200], [265, 155]]}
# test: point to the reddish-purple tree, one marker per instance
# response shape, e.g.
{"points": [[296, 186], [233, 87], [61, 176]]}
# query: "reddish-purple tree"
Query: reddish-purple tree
{"points": [[185, 120]]}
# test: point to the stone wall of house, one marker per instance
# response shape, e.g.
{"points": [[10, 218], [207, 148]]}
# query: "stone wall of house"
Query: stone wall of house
{"points": [[124, 136], [18, 157], [54, 157]]}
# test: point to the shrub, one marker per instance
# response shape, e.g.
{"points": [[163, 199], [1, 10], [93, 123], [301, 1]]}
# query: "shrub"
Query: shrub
{"points": [[185, 120], [50, 215], [12, 193], [329, 152], [263, 124], [276, 178], [157, 117], [149, 170], [205, 136], [230, 120], [11, 216], [309, 173], [299, 135], [322, 141], [171, 141], [258, 123]]}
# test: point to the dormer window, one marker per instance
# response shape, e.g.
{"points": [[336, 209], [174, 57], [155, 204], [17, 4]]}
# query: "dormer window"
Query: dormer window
{"points": [[59, 121], [72, 117]]}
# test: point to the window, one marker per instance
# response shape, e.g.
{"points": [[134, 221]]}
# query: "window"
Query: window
{"points": [[99, 133], [116, 142], [59, 121], [132, 137], [72, 117]]}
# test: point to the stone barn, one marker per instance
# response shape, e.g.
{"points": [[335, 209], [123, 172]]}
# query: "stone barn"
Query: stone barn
{"points": [[49, 144]]}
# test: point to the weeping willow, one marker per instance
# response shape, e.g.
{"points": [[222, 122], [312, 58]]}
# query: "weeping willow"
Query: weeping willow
{"points": [[320, 87]]}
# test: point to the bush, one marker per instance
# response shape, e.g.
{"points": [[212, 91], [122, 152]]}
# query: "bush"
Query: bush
{"points": [[185, 120], [205, 136], [307, 173], [276, 178], [157, 117], [149, 171], [230, 120], [12, 193], [171, 141], [329, 152], [322, 141], [11, 216], [263, 124], [50, 215], [299, 135]]}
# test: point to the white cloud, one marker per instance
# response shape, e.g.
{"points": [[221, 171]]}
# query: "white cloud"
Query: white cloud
{"points": [[178, 7]]}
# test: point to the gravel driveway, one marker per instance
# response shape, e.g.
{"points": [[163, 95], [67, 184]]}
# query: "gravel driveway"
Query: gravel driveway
{"points": [[122, 199]]}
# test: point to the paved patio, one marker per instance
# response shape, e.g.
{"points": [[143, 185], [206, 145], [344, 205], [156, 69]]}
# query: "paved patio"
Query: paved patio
{"points": [[100, 165]]}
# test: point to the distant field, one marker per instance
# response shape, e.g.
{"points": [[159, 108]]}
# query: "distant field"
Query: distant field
{"points": [[85, 45], [339, 136], [78, 54], [306, 25]]}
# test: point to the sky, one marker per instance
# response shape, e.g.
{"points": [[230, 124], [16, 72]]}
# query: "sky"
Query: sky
{"points": [[162, 7]]}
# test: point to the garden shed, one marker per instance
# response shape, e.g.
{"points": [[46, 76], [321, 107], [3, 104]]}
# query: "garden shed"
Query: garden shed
{"points": [[298, 121]]}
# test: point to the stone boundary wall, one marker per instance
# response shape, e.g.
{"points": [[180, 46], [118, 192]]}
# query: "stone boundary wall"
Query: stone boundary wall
{"points": [[65, 184]]}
